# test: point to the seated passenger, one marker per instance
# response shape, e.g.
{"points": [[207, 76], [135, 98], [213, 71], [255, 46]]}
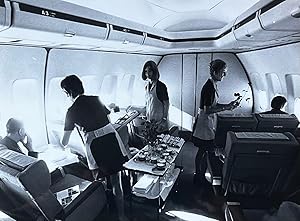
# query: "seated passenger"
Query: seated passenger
{"points": [[16, 133], [277, 105]]}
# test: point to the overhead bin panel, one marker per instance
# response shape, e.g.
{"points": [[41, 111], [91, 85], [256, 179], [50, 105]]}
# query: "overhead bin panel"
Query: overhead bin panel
{"points": [[157, 41], [125, 35], [281, 15], [37, 23], [5, 15], [249, 29]]}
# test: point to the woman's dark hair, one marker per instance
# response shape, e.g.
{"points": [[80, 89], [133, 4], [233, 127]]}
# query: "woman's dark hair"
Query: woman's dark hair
{"points": [[73, 85], [153, 67], [216, 65], [278, 102]]}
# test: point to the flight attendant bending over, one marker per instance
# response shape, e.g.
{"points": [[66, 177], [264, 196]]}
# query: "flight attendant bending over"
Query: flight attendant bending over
{"points": [[104, 148]]}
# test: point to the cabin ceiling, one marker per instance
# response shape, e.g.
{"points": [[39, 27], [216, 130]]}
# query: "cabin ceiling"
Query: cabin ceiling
{"points": [[173, 15], [151, 26]]}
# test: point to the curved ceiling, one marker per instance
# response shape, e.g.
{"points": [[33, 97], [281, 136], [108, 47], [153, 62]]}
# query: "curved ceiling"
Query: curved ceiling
{"points": [[173, 15]]}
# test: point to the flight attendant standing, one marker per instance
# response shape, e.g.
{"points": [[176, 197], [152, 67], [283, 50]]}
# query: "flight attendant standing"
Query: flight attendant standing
{"points": [[157, 99], [203, 131], [104, 148]]}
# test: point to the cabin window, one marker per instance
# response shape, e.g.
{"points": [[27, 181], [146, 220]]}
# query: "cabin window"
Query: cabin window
{"points": [[108, 89], [125, 91], [91, 84], [274, 85], [27, 106], [293, 93], [57, 102], [262, 102]]}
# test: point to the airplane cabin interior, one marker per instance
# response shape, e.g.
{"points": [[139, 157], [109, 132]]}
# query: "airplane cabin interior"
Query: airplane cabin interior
{"points": [[252, 173]]}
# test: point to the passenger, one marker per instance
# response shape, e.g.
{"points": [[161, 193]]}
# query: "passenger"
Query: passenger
{"points": [[277, 105], [105, 150], [203, 130], [157, 98], [15, 134]]}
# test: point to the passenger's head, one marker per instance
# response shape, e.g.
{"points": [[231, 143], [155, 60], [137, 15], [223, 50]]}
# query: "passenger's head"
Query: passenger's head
{"points": [[15, 127], [218, 69], [150, 71], [278, 102], [72, 85]]}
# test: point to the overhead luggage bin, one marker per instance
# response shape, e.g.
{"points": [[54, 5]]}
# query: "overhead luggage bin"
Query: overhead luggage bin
{"points": [[56, 21], [250, 29], [5, 15], [157, 41], [281, 16], [126, 35]]}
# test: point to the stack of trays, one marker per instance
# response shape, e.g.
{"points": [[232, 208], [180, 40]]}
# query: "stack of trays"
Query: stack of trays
{"points": [[145, 183]]}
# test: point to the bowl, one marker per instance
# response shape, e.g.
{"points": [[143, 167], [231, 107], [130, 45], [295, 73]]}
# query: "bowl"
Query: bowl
{"points": [[142, 157], [160, 166], [153, 159]]}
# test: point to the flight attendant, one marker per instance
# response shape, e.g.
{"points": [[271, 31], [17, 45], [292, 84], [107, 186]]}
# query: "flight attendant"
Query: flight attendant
{"points": [[104, 148], [157, 99], [203, 131]]}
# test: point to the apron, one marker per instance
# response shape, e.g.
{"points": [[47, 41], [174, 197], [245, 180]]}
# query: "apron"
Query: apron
{"points": [[154, 107], [92, 135], [204, 127]]}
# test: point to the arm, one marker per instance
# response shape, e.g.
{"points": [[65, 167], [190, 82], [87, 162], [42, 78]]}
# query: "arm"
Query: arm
{"points": [[166, 105], [66, 137], [28, 144], [217, 108]]}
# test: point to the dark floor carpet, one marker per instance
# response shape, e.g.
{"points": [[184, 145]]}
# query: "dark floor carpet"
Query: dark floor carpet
{"points": [[184, 197]]}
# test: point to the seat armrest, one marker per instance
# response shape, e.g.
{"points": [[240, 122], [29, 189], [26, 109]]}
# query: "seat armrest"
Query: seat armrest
{"points": [[234, 212]]}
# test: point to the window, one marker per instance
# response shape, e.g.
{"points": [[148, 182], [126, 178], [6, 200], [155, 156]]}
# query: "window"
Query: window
{"points": [[28, 107]]}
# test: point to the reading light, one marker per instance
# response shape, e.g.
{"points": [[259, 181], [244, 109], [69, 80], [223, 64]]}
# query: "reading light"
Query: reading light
{"points": [[296, 13]]}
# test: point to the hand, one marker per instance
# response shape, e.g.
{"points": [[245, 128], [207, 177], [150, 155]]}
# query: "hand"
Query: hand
{"points": [[234, 104], [28, 144]]}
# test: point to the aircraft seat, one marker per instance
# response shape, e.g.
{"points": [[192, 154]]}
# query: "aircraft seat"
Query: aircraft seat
{"points": [[235, 123], [277, 123], [25, 193], [256, 164]]}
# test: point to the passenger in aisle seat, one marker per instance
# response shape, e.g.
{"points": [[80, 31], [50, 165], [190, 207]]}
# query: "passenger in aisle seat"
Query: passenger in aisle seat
{"points": [[105, 151], [15, 134], [157, 98]]}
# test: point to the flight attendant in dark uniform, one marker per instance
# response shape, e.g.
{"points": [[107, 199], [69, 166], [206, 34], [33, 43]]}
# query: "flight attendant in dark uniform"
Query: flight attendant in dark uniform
{"points": [[157, 99], [203, 131], [105, 151]]}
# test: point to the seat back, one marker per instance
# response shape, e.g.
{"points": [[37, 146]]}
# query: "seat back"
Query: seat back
{"points": [[277, 123], [258, 163], [14, 201], [25, 182], [235, 123]]}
